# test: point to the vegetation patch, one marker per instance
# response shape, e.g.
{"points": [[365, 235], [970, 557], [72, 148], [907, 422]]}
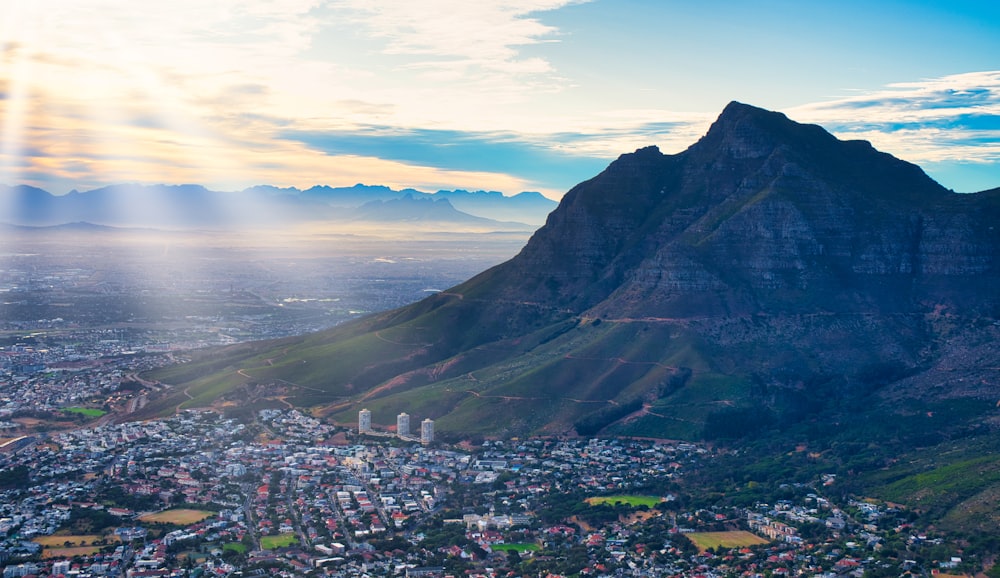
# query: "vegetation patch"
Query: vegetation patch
{"points": [[738, 539], [633, 501], [947, 482], [86, 411], [234, 547], [279, 541], [180, 516], [515, 547], [594, 422]]}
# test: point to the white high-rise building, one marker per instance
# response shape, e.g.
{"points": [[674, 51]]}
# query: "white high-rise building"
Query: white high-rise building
{"points": [[403, 425], [364, 421], [427, 431]]}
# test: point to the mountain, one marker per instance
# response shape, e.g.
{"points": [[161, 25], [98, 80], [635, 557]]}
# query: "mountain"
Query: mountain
{"points": [[167, 206], [525, 207], [357, 195], [770, 280], [194, 206], [78, 227], [25, 205], [409, 209]]}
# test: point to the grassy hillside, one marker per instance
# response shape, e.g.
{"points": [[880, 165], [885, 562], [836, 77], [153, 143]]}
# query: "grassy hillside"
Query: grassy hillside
{"points": [[570, 376]]}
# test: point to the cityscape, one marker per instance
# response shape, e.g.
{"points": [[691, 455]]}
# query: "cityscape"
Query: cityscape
{"points": [[280, 493]]}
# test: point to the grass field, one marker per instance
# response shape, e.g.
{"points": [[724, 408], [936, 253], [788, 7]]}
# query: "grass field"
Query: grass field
{"points": [[85, 411], [49, 553], [75, 539], [82, 545], [516, 547], [181, 517], [234, 547], [706, 540], [649, 501], [279, 541]]}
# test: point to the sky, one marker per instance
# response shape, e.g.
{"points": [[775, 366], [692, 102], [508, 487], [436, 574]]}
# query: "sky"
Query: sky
{"points": [[442, 94]]}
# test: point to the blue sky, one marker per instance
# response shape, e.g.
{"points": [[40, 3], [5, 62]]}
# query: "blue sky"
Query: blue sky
{"points": [[510, 96]]}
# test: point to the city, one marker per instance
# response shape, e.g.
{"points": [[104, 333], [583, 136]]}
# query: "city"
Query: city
{"points": [[285, 494]]}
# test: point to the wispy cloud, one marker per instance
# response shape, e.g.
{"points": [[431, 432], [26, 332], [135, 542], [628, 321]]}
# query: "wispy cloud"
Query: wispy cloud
{"points": [[538, 162], [954, 118], [477, 42]]}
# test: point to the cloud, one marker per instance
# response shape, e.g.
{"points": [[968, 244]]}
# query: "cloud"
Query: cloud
{"points": [[68, 148], [555, 161], [952, 118], [424, 93], [508, 153], [457, 38]]}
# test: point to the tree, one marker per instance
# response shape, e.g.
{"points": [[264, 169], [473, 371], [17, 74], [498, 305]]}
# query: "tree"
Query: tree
{"points": [[16, 477]]}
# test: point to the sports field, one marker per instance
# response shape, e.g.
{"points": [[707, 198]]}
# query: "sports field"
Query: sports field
{"points": [[48, 553], [279, 541], [515, 547], [180, 516], [80, 545], [85, 411], [739, 539], [633, 501]]}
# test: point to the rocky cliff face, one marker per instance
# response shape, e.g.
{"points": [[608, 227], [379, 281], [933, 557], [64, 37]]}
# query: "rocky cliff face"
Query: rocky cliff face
{"points": [[788, 254], [763, 215]]}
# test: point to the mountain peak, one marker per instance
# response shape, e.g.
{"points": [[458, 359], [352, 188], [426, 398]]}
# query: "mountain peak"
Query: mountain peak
{"points": [[744, 131], [736, 109], [737, 115]]}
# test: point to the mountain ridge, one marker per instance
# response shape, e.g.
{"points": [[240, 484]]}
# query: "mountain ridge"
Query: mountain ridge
{"points": [[180, 206]]}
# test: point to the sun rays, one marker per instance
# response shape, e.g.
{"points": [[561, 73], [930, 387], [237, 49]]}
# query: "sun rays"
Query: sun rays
{"points": [[514, 96]]}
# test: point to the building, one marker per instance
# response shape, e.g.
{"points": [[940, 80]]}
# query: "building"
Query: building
{"points": [[364, 421], [427, 431], [403, 425]]}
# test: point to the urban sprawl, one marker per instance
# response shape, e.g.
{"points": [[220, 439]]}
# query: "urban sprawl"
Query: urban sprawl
{"points": [[198, 494]]}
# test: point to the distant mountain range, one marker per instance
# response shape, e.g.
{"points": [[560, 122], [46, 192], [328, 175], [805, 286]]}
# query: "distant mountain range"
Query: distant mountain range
{"points": [[187, 206]]}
